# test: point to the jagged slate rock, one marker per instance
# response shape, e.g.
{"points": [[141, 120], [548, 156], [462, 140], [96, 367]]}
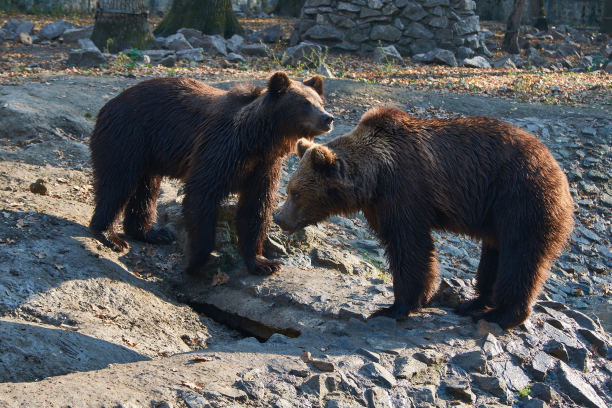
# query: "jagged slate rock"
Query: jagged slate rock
{"points": [[513, 375], [418, 30], [468, 25], [315, 386], [210, 44], [283, 366], [377, 397], [598, 342], [168, 61], [324, 71], [269, 243], [235, 43], [253, 388], [194, 400], [375, 4], [407, 367], [544, 392], [435, 3], [491, 347], [476, 62], [72, 35], [471, 361], [560, 336], [483, 328], [368, 12], [10, 27], [540, 365], [24, 27], [25, 39], [464, 52], [577, 388], [430, 357], [304, 52], [385, 33], [451, 292], [557, 349], [413, 11], [322, 365], [216, 390], [324, 33], [54, 30], [3, 35], [504, 62], [87, 44], [369, 354], [86, 58], [282, 403], [379, 374], [268, 35], [425, 394], [190, 32], [580, 359], [421, 46], [608, 68], [299, 373], [344, 6], [340, 260], [192, 54], [255, 50], [387, 54], [460, 389], [493, 385], [154, 55], [177, 42], [535, 403]]}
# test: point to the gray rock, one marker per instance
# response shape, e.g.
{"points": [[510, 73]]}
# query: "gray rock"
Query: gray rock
{"points": [[86, 58], [413, 11], [235, 43], [430, 357], [168, 61], [425, 394], [466, 26], [177, 42], [87, 44], [210, 44], [577, 388], [438, 55], [476, 62], [378, 374], [253, 388], [493, 385], [385, 33], [304, 53], [324, 71], [24, 27], [268, 35], [407, 367], [534, 403], [608, 68], [72, 35], [368, 12], [233, 57], [544, 392], [155, 56], [191, 54], [194, 400], [387, 54], [464, 52], [9, 28], [513, 375], [471, 361], [369, 354], [421, 46], [54, 30], [255, 50], [377, 397], [315, 386], [540, 364], [190, 32], [344, 6], [324, 33], [418, 30], [491, 347], [460, 389], [597, 341]]}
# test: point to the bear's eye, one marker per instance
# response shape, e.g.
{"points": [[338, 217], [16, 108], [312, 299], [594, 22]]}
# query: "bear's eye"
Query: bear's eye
{"points": [[295, 196]]}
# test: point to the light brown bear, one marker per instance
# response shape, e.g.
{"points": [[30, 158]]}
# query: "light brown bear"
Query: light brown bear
{"points": [[477, 176]]}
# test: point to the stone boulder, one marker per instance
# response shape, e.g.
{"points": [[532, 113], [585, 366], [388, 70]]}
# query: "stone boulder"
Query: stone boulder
{"points": [[387, 54], [437, 55], [476, 62], [268, 35], [210, 44], [177, 42], [54, 30], [72, 35], [255, 50], [191, 55], [304, 53], [235, 43], [86, 58]]}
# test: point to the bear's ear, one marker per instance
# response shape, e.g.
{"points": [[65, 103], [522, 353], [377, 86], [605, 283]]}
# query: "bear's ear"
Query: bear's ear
{"points": [[316, 82], [279, 82], [322, 158], [303, 145]]}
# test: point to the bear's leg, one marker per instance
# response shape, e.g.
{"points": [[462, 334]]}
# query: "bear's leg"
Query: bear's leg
{"points": [[112, 191], [485, 280], [522, 272], [413, 261], [257, 199], [141, 212]]}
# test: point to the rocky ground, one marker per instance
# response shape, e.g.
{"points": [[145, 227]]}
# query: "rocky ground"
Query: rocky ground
{"points": [[84, 326]]}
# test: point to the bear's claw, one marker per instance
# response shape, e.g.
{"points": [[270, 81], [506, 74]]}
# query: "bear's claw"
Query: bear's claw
{"points": [[395, 311], [505, 319], [262, 266]]}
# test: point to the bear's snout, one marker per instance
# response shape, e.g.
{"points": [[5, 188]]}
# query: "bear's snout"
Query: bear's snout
{"points": [[328, 120]]}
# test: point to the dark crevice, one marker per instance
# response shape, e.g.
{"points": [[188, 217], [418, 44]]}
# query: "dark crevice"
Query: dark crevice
{"points": [[243, 325]]}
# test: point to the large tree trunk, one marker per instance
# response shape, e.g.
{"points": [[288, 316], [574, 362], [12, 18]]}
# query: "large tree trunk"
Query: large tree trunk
{"points": [[289, 8], [606, 19], [208, 16], [511, 44], [122, 24]]}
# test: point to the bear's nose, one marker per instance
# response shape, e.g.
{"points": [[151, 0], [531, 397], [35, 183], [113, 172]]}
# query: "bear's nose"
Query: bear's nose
{"points": [[329, 120]]}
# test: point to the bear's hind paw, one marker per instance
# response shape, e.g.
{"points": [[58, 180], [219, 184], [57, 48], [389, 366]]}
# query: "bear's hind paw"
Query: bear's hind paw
{"points": [[472, 307], [395, 311], [505, 319], [262, 266]]}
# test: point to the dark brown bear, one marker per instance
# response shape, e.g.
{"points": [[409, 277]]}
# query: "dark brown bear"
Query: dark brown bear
{"points": [[476, 176], [216, 141]]}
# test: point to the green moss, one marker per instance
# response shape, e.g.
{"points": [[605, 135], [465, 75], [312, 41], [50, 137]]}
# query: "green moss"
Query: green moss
{"points": [[208, 16], [122, 32]]}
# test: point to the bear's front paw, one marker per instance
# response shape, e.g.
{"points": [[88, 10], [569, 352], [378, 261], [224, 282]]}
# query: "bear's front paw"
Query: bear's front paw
{"points": [[398, 311], [112, 241], [158, 235], [263, 266], [472, 307], [506, 319]]}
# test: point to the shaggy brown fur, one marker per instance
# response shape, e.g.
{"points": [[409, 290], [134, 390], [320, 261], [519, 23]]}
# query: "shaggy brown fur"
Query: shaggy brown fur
{"points": [[216, 141], [477, 176]]}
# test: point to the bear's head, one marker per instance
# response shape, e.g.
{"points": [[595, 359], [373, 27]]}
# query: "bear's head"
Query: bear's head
{"points": [[296, 108], [321, 186]]}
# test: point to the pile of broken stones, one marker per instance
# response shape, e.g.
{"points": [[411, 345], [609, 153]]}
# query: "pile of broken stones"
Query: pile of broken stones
{"points": [[560, 48]]}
